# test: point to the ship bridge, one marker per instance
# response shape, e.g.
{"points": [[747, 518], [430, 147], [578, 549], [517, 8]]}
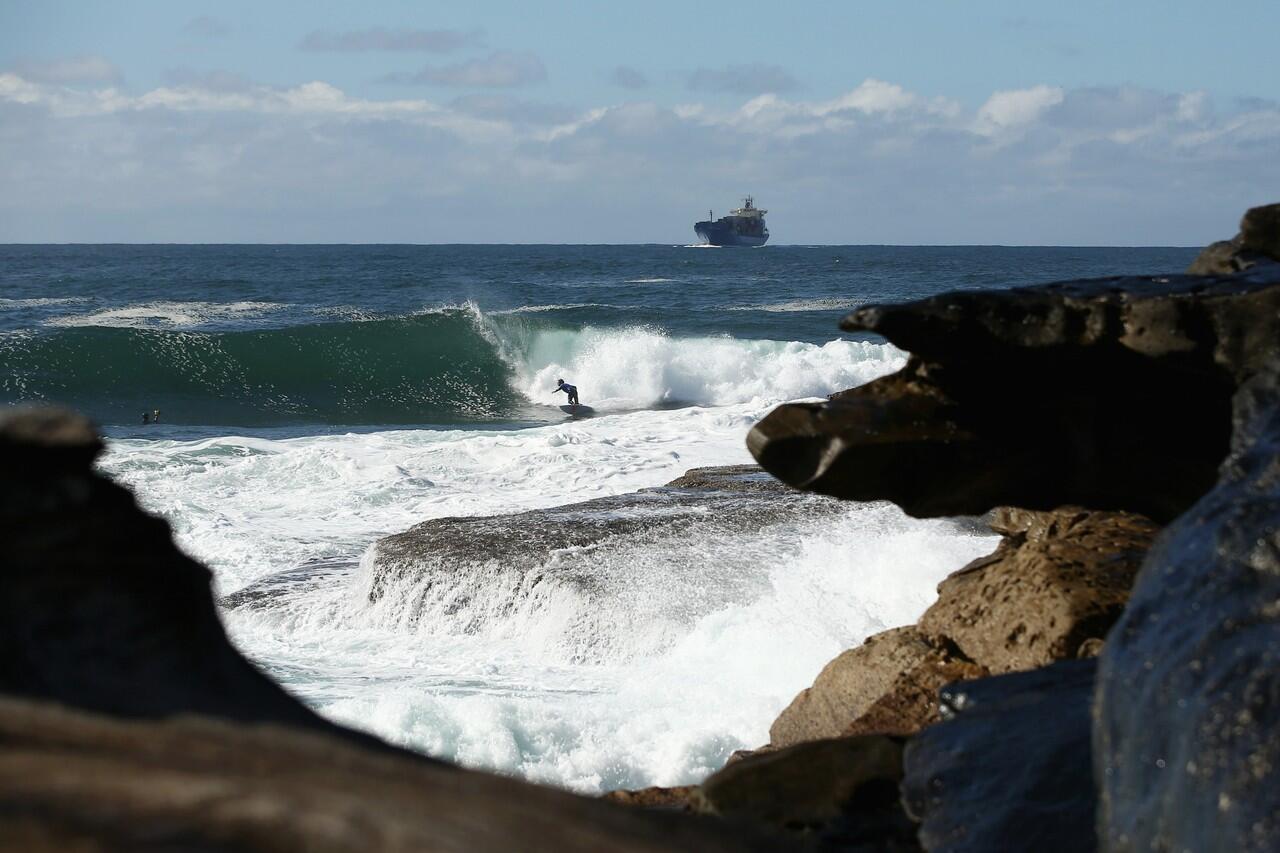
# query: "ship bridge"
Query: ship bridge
{"points": [[748, 209]]}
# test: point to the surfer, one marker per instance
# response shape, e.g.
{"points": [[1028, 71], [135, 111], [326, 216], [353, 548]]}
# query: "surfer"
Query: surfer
{"points": [[571, 390]]}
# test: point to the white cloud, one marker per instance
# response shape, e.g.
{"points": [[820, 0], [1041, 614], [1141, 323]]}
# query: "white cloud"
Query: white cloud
{"points": [[1016, 107], [200, 159]]}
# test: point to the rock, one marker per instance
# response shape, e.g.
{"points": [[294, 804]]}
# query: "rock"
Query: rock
{"points": [[679, 798], [469, 573], [887, 685], [1009, 770], [75, 780], [98, 608], [1072, 393], [1188, 704], [844, 791], [1258, 242], [1057, 581]]}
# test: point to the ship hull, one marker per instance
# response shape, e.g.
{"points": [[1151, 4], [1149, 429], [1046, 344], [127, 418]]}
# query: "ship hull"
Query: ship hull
{"points": [[722, 235]]}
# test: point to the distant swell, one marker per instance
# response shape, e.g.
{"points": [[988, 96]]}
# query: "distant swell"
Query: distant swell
{"points": [[455, 365]]}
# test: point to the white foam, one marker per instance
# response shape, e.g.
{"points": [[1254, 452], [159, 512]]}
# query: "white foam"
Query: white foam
{"points": [[650, 280], [38, 302], [621, 369], [167, 315]]}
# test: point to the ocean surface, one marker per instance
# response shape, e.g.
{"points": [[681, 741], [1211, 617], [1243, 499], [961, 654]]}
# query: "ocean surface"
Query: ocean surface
{"points": [[315, 398]]}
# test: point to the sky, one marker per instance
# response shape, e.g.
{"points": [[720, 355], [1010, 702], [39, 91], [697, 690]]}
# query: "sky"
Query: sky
{"points": [[855, 122]]}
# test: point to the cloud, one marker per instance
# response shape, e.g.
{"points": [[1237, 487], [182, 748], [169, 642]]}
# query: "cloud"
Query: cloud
{"points": [[383, 39], [751, 79], [74, 69], [498, 70], [213, 158], [207, 27], [213, 81], [628, 78]]}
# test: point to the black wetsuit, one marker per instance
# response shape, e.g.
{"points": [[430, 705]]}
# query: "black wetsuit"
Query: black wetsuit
{"points": [[571, 390]]}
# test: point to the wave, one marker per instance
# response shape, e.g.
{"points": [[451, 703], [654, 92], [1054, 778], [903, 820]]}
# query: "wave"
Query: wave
{"points": [[167, 315], [801, 305], [445, 365]]}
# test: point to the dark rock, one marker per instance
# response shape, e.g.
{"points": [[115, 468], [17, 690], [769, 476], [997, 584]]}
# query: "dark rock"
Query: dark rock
{"points": [[1188, 704], [98, 608], [843, 791], [1009, 770], [1057, 581], [1258, 242], [887, 685], [1070, 393], [78, 781]]}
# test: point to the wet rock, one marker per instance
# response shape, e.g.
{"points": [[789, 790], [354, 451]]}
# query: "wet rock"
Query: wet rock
{"points": [[98, 608], [1055, 584], [1071, 393], [1010, 768], [843, 792], [1188, 702], [72, 780], [1257, 243], [887, 685]]}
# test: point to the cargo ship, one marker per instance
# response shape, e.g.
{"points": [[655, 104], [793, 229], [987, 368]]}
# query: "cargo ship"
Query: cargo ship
{"points": [[742, 227]]}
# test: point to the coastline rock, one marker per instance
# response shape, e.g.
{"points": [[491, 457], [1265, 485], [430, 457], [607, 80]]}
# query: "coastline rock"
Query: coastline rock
{"points": [[98, 608], [1053, 588], [1069, 393], [678, 798], [1187, 720], [1009, 769], [887, 685], [71, 780], [1258, 242], [843, 792]]}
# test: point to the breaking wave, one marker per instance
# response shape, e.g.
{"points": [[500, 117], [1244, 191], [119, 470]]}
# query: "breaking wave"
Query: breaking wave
{"points": [[450, 365]]}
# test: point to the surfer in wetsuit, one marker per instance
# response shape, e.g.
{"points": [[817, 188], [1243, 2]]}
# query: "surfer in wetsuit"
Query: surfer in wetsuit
{"points": [[571, 390]]}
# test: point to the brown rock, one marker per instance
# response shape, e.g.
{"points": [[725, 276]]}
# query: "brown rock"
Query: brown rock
{"points": [[845, 790], [73, 780], [1057, 581], [1257, 242], [887, 685], [678, 798]]}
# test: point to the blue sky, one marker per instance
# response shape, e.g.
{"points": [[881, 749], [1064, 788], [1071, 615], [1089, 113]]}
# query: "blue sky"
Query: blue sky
{"points": [[854, 122]]}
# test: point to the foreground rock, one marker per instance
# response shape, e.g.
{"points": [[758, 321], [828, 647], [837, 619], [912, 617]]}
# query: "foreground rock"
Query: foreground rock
{"points": [[71, 780], [1187, 733], [1109, 394], [1009, 770], [98, 609], [1053, 588]]}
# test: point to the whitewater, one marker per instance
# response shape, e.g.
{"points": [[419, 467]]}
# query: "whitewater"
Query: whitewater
{"points": [[317, 399]]}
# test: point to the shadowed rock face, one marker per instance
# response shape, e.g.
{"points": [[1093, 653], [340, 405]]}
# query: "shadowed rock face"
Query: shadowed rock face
{"points": [[70, 780], [1009, 769], [1187, 731], [1110, 394], [98, 609]]}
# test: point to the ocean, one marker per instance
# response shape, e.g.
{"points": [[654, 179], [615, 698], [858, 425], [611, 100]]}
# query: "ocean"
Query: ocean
{"points": [[316, 398]]}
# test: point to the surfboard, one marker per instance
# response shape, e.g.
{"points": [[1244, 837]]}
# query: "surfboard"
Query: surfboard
{"points": [[579, 410]]}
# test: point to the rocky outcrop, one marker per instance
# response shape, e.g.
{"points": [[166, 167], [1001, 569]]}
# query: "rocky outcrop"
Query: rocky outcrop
{"points": [[887, 685], [704, 501], [1110, 394], [98, 609], [1009, 769], [1051, 591], [1257, 243], [71, 780], [1187, 731], [1053, 588]]}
